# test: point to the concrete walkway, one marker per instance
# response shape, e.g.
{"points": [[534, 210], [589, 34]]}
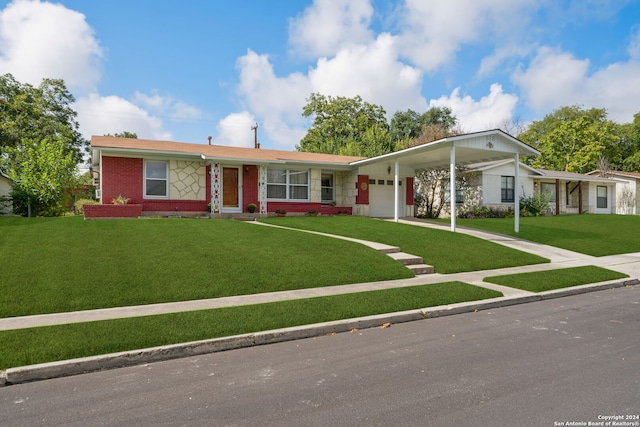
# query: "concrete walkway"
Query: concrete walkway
{"points": [[560, 258]]}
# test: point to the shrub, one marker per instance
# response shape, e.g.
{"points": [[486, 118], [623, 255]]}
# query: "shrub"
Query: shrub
{"points": [[485, 212], [535, 205], [79, 204]]}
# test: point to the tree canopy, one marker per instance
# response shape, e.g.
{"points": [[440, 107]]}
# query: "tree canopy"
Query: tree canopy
{"points": [[575, 140], [408, 125], [40, 141], [345, 125]]}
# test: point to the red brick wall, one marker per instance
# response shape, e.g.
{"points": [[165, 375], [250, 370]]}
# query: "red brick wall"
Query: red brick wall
{"points": [[306, 207], [121, 175], [249, 186]]}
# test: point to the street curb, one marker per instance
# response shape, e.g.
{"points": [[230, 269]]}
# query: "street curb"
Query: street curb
{"points": [[84, 365]]}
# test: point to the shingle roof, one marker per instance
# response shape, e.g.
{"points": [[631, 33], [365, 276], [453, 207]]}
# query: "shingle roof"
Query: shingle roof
{"points": [[217, 151], [619, 173]]}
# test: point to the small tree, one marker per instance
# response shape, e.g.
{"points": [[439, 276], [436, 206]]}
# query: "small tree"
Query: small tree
{"points": [[536, 204], [41, 173]]}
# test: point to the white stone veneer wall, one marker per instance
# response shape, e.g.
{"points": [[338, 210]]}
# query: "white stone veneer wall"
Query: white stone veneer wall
{"points": [[187, 180]]}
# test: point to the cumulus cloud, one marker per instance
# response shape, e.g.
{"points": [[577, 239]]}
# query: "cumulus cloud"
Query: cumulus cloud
{"points": [[555, 78], [433, 32], [328, 26], [39, 39], [235, 130], [167, 107], [101, 115], [489, 112]]}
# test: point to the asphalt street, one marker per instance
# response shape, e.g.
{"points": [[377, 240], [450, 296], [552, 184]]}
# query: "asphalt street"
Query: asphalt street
{"points": [[548, 363]]}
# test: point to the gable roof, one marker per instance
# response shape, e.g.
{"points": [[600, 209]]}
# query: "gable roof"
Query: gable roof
{"points": [[616, 173], [572, 176], [114, 145], [470, 148]]}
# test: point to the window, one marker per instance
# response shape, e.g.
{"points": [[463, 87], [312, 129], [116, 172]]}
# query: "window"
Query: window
{"points": [[548, 187], [459, 192], [156, 179], [507, 188], [285, 184], [327, 187], [601, 197]]}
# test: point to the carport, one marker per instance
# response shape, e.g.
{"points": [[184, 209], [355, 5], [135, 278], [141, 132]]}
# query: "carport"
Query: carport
{"points": [[452, 151]]}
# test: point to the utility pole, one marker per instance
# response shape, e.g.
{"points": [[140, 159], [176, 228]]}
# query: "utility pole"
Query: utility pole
{"points": [[254, 128]]}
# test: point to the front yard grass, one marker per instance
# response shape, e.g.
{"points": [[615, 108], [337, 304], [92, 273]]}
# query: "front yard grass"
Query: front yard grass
{"points": [[596, 235], [541, 281], [50, 343], [50, 265], [447, 252]]}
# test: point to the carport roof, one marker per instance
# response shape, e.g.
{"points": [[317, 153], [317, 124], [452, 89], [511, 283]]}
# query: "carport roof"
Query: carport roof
{"points": [[470, 148]]}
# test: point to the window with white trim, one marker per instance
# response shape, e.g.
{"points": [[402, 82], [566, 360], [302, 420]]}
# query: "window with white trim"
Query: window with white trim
{"points": [[156, 179], [327, 187], [287, 184], [601, 197], [507, 189]]}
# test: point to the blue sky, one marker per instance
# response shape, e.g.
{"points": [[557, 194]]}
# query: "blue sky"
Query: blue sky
{"points": [[183, 70]]}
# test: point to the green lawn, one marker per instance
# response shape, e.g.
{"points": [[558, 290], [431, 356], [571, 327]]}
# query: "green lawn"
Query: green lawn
{"points": [[447, 252], [541, 281], [46, 344], [596, 235], [64, 264]]}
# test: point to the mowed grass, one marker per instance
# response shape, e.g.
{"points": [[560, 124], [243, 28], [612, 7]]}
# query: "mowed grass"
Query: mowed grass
{"points": [[447, 252], [541, 281], [46, 344], [597, 235], [64, 264]]}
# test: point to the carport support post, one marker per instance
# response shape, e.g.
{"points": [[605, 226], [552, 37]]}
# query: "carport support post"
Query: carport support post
{"points": [[452, 186], [396, 193], [516, 195]]}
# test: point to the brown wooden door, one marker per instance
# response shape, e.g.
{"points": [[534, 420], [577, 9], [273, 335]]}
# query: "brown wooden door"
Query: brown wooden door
{"points": [[230, 185]]}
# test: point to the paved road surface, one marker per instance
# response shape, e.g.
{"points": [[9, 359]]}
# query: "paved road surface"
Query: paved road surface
{"points": [[571, 359]]}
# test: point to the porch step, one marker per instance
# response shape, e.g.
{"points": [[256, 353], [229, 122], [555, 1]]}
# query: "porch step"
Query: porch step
{"points": [[406, 259], [412, 262], [244, 217], [419, 269]]}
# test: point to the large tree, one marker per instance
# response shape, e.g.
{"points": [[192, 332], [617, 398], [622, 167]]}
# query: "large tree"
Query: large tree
{"points": [[40, 141], [631, 145], [344, 125], [574, 140], [408, 125]]}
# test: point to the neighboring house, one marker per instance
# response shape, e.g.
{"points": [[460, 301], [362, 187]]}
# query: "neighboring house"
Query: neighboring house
{"points": [[627, 190], [572, 193], [5, 191], [172, 177]]}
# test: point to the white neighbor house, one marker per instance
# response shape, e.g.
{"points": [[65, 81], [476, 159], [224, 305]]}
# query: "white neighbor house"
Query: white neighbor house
{"points": [[572, 193]]}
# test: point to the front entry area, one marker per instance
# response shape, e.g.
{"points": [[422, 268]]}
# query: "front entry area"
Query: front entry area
{"points": [[231, 185]]}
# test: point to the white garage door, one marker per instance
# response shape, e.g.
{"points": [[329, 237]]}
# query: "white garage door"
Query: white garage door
{"points": [[381, 196]]}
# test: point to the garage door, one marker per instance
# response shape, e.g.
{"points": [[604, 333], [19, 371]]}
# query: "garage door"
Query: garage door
{"points": [[381, 196]]}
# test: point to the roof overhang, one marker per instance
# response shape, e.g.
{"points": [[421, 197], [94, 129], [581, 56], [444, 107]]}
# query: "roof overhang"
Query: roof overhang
{"points": [[471, 148]]}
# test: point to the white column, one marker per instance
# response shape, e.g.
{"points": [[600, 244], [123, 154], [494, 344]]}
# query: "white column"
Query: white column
{"points": [[452, 186], [396, 193], [516, 195]]}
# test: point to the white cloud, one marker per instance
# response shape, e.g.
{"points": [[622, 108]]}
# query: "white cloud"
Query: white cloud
{"points": [[100, 115], [432, 31], [235, 130], [40, 39], [489, 112], [167, 107], [371, 71], [328, 26], [555, 78]]}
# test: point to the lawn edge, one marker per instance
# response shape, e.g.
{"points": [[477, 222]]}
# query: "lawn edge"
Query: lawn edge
{"points": [[130, 358]]}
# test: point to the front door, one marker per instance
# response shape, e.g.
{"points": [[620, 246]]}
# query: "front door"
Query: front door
{"points": [[231, 189]]}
